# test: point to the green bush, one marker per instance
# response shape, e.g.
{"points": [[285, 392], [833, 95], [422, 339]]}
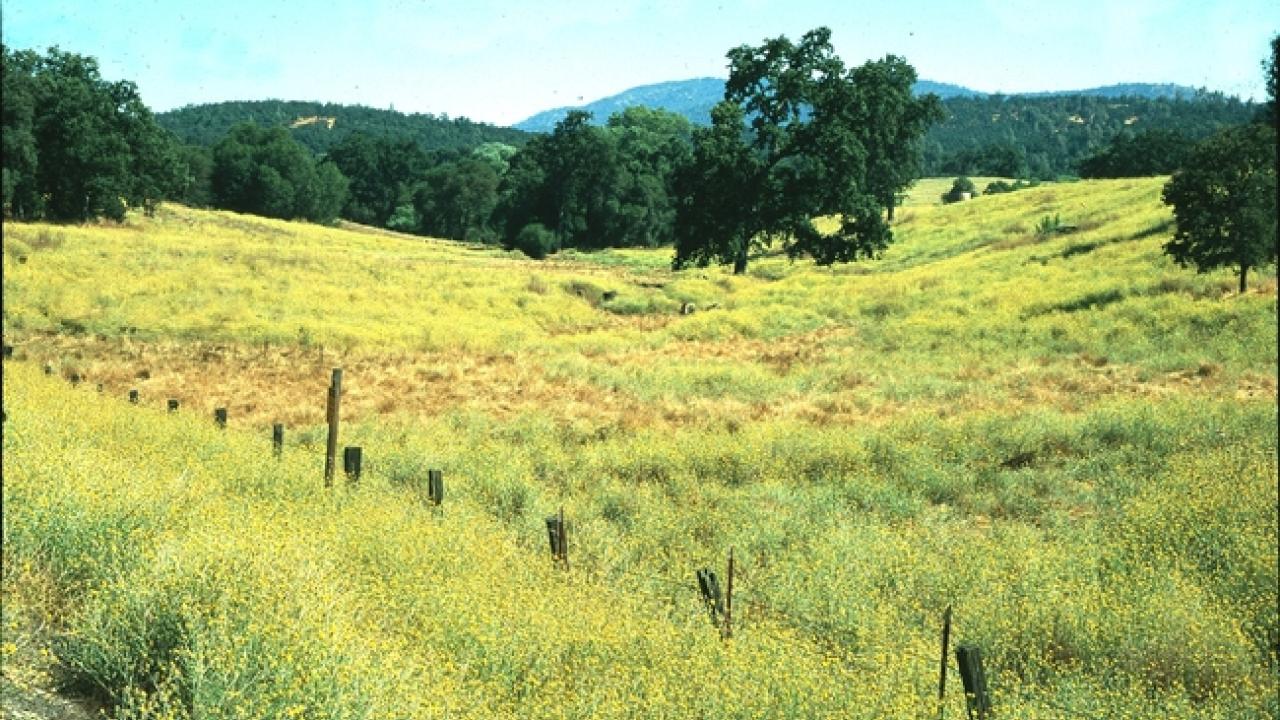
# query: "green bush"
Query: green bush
{"points": [[961, 185], [536, 241]]}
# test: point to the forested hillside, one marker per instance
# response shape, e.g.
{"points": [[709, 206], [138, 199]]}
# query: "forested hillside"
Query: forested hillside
{"points": [[1017, 135], [1043, 134], [320, 126]]}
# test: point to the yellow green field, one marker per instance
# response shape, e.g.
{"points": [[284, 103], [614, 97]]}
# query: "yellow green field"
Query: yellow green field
{"points": [[1066, 438]]}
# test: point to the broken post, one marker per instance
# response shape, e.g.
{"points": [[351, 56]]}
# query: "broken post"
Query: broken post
{"points": [[976, 698], [352, 459]]}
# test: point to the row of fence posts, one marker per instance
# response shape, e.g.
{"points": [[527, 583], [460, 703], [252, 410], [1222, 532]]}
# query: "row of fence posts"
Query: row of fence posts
{"points": [[719, 604]]}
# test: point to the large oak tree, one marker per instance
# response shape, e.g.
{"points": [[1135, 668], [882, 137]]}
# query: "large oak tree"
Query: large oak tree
{"points": [[797, 138]]}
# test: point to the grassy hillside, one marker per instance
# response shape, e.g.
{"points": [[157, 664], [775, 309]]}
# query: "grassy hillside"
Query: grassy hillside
{"points": [[1065, 437]]}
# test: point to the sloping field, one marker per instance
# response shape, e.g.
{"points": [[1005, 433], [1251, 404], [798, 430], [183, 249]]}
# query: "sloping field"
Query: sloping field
{"points": [[1064, 437]]}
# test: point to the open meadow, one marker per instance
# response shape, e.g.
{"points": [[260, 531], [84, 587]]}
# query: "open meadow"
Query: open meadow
{"points": [[1063, 436]]}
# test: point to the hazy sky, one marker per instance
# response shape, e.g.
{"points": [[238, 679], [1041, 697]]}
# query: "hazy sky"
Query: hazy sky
{"points": [[500, 62]]}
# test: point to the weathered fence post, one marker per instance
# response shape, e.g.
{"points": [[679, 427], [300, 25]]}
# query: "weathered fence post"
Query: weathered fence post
{"points": [[709, 588], [435, 486], [277, 438], [173, 405], [133, 396], [976, 698], [220, 417], [331, 447], [557, 534], [728, 601], [352, 459], [942, 671], [48, 369]]}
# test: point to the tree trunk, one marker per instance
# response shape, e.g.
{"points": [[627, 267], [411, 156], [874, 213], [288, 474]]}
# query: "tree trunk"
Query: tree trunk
{"points": [[1244, 271], [740, 262], [890, 207]]}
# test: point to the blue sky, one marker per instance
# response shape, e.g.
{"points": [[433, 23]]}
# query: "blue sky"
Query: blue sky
{"points": [[500, 62]]}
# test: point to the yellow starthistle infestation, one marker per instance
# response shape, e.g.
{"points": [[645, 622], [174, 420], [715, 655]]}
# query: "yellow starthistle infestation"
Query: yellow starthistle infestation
{"points": [[1065, 438]]}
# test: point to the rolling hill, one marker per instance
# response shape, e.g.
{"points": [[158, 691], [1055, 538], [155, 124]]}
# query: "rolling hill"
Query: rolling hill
{"points": [[1065, 438]]}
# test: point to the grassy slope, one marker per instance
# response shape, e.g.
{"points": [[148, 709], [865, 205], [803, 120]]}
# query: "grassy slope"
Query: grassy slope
{"points": [[1068, 438]]}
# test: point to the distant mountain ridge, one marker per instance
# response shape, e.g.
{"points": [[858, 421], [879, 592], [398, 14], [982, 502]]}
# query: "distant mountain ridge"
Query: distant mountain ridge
{"points": [[695, 98]]}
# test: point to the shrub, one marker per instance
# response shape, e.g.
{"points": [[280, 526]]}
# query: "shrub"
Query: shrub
{"points": [[536, 241], [960, 186]]}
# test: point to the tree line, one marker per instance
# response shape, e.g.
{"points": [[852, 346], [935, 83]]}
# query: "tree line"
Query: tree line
{"points": [[798, 136]]}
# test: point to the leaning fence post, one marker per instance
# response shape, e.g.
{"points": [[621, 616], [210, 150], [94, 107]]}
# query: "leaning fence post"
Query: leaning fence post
{"points": [[352, 458], [277, 438], [331, 446], [942, 671], [976, 697]]}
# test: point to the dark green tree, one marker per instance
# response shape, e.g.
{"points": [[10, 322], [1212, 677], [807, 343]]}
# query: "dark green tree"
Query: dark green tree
{"points": [[892, 122], [455, 200], [77, 146], [713, 216], [21, 195], [1224, 202], [1153, 152], [265, 172], [563, 181], [650, 148], [382, 172], [807, 153]]}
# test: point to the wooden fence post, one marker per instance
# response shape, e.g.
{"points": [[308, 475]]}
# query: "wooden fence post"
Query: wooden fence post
{"points": [[435, 486], [709, 588], [558, 534], [173, 405], [133, 396], [976, 697], [942, 671], [331, 446], [728, 601], [352, 459], [277, 438], [220, 417], [564, 540], [48, 369]]}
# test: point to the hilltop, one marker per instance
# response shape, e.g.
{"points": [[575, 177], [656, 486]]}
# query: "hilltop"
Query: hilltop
{"points": [[1062, 436], [320, 126]]}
